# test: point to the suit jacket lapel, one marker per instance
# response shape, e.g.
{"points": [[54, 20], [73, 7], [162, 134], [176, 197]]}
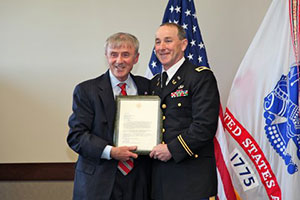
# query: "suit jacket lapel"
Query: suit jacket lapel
{"points": [[141, 88], [107, 96]]}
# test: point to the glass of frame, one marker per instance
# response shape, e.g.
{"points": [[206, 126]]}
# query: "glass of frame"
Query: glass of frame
{"points": [[138, 122]]}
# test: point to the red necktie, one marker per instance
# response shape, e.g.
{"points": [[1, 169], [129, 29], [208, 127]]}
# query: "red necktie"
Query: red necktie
{"points": [[123, 89], [124, 166]]}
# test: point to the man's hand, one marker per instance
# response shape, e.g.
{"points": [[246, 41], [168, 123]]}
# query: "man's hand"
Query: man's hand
{"points": [[161, 152], [123, 153]]}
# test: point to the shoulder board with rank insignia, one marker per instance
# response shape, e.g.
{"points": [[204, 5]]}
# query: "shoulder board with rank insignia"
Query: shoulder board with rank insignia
{"points": [[199, 69]]}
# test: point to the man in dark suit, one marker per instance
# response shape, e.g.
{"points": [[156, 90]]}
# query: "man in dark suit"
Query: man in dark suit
{"points": [[105, 172], [184, 167]]}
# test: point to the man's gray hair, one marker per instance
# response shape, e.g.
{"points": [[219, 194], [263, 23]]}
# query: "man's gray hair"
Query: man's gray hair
{"points": [[119, 39]]}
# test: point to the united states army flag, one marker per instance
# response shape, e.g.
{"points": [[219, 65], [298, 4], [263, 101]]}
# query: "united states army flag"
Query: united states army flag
{"points": [[262, 114]]}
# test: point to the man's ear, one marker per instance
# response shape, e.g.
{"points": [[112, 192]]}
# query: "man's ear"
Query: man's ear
{"points": [[136, 59], [184, 44]]}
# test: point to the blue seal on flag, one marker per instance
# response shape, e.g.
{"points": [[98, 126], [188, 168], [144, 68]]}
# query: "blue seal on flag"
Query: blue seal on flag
{"points": [[282, 122]]}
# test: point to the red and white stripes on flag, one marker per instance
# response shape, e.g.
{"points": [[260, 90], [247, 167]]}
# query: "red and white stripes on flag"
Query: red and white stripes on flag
{"points": [[225, 187], [262, 114]]}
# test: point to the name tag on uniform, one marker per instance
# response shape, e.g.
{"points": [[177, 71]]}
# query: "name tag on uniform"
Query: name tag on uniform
{"points": [[179, 93]]}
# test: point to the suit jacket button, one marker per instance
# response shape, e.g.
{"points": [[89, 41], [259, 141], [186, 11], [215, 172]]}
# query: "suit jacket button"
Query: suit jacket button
{"points": [[164, 106]]}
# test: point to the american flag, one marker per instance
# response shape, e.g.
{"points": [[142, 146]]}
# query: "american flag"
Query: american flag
{"points": [[183, 12]]}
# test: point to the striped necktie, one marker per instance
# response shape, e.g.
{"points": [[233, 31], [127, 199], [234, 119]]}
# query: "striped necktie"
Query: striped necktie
{"points": [[124, 166]]}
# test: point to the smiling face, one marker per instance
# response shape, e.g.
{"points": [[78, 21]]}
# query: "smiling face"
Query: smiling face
{"points": [[168, 47], [121, 60]]}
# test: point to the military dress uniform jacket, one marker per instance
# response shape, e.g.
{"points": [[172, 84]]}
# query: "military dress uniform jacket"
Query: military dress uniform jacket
{"points": [[91, 129], [190, 105]]}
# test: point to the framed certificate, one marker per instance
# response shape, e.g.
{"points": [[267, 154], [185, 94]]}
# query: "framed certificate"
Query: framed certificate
{"points": [[138, 122]]}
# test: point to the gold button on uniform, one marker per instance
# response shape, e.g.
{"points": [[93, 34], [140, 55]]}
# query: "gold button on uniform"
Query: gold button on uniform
{"points": [[163, 142], [163, 130], [196, 155], [164, 106], [179, 104], [164, 117]]}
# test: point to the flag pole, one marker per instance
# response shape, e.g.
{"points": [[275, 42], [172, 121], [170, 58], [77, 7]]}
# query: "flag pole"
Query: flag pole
{"points": [[294, 26]]}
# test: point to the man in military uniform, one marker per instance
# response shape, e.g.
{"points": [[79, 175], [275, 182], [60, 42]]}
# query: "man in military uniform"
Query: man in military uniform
{"points": [[184, 166]]}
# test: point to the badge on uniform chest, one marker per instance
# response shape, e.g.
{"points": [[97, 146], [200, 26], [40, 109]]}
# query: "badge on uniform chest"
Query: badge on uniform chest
{"points": [[179, 93]]}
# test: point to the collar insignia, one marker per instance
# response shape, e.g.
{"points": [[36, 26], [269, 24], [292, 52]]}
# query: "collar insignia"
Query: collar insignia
{"points": [[180, 87]]}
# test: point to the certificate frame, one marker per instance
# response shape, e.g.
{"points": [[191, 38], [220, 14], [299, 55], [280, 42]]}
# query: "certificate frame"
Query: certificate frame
{"points": [[134, 127]]}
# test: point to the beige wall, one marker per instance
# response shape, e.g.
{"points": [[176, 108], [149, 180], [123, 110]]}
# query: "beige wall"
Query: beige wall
{"points": [[47, 47]]}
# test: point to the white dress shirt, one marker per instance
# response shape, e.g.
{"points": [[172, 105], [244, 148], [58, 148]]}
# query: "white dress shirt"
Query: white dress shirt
{"points": [[172, 70]]}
